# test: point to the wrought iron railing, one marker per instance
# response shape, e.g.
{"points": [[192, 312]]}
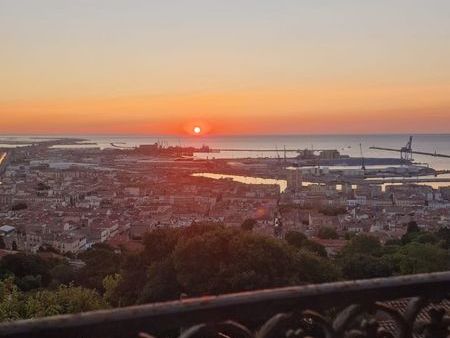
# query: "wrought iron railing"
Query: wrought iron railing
{"points": [[408, 306]]}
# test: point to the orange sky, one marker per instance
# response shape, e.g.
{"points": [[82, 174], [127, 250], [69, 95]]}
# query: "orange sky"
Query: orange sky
{"points": [[274, 110], [114, 67]]}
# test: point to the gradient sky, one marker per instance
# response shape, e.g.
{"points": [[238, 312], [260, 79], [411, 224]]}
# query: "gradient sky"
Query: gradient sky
{"points": [[248, 66]]}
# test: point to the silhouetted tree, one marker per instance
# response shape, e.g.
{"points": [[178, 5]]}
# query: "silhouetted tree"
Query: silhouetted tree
{"points": [[362, 244], [421, 258], [327, 233], [212, 259], [30, 271], [101, 261], [360, 266], [300, 241], [295, 238], [248, 224], [19, 206]]}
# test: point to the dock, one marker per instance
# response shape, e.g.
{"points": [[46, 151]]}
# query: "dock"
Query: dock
{"points": [[407, 180]]}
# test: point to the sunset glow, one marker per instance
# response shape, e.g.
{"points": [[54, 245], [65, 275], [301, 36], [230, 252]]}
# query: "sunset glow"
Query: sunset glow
{"points": [[259, 68], [203, 168]]}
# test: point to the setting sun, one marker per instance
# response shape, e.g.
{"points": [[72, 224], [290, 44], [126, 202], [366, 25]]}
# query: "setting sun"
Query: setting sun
{"points": [[295, 145]]}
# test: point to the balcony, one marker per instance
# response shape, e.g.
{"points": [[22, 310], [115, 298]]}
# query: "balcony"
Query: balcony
{"points": [[408, 306]]}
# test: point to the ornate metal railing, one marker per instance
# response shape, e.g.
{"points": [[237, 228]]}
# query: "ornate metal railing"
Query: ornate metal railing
{"points": [[410, 306]]}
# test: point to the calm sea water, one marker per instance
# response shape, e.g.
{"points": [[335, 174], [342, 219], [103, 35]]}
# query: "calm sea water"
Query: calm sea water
{"points": [[346, 144]]}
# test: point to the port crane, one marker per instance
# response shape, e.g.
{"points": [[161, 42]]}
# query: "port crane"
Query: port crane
{"points": [[363, 162], [406, 152]]}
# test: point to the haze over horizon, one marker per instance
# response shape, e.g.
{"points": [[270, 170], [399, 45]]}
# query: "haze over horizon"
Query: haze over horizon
{"points": [[240, 67]]}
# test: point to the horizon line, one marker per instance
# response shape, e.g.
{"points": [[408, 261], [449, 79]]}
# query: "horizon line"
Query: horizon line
{"points": [[221, 135]]}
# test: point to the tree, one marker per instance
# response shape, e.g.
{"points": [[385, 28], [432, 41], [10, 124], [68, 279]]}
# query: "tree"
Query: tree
{"points": [[412, 231], [198, 229], [362, 244], [327, 233], [30, 271], [15, 304], [64, 300], [348, 235], [160, 242], [415, 234], [412, 227], [300, 241], [259, 262], [213, 259], [42, 186], [133, 273], [101, 261], [63, 273], [11, 300], [333, 211], [248, 224], [421, 258], [110, 285], [311, 268], [444, 235], [19, 206], [295, 238], [227, 261], [162, 282], [29, 282], [360, 266], [315, 248], [393, 242]]}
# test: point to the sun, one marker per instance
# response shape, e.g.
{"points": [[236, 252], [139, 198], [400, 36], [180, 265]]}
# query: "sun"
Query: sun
{"points": [[197, 130]]}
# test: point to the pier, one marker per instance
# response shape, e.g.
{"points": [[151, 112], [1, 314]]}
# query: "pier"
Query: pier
{"points": [[407, 180]]}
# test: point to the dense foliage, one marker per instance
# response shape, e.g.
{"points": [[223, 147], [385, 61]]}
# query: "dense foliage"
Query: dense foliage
{"points": [[211, 259], [204, 259], [327, 233], [101, 261], [417, 252], [15, 304]]}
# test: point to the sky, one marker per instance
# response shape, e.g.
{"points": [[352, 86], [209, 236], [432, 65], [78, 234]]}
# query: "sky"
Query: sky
{"points": [[230, 67]]}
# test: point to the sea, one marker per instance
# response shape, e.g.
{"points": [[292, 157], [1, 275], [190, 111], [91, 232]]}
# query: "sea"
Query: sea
{"points": [[346, 144]]}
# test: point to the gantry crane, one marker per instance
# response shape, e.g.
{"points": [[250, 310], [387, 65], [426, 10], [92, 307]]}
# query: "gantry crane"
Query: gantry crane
{"points": [[406, 152]]}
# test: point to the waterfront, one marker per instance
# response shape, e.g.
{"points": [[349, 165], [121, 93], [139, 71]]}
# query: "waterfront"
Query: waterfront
{"points": [[245, 179], [122, 193], [346, 144], [283, 183]]}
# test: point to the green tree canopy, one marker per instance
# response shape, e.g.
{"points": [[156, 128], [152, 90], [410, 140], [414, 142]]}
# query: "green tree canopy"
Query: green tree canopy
{"points": [[299, 240], [15, 304], [101, 261], [421, 258], [295, 238], [30, 271], [327, 233], [227, 260], [444, 235], [248, 224], [64, 300], [213, 259], [362, 244], [361, 266]]}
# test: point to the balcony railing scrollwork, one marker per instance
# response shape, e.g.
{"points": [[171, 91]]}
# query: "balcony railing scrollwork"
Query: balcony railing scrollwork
{"points": [[408, 306]]}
